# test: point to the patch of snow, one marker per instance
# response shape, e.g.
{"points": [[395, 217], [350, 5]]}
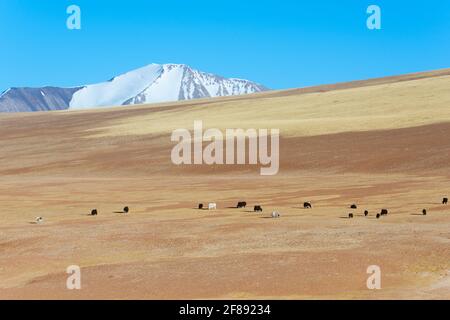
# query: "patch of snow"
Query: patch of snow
{"points": [[166, 88], [5, 92], [116, 91]]}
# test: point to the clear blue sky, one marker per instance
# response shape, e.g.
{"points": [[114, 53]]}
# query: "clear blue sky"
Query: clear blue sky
{"points": [[279, 43]]}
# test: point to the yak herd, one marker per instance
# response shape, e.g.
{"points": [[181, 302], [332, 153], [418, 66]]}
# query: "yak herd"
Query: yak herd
{"points": [[308, 205], [258, 208]]}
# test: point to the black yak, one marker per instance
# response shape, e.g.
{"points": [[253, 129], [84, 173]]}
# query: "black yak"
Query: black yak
{"points": [[126, 210], [241, 204], [445, 201], [366, 213], [258, 209], [200, 206], [384, 212], [94, 212], [307, 205], [378, 216], [353, 206], [424, 212], [350, 215]]}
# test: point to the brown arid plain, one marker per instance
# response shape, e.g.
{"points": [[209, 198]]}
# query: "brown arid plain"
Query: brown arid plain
{"points": [[382, 143]]}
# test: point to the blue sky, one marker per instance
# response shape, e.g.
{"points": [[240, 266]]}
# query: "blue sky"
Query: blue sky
{"points": [[281, 44]]}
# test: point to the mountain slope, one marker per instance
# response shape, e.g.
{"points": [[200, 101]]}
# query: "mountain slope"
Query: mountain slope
{"points": [[150, 84], [36, 99]]}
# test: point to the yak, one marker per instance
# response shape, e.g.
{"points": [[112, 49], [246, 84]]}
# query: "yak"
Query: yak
{"points": [[241, 204], [258, 208]]}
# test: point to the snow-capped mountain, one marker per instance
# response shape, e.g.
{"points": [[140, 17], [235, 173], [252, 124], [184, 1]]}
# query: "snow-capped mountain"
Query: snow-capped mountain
{"points": [[150, 84]]}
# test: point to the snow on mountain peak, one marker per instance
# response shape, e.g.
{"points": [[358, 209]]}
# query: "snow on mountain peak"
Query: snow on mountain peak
{"points": [[117, 90], [159, 83]]}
